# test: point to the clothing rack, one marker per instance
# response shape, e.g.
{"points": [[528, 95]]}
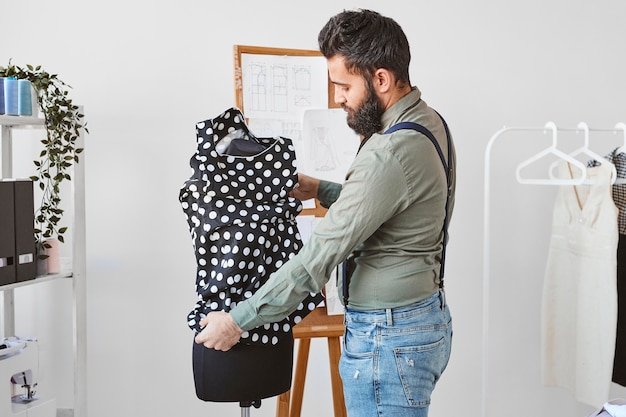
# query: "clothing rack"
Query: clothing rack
{"points": [[553, 150]]}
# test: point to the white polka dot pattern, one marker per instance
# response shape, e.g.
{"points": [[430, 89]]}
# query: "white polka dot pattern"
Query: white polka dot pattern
{"points": [[241, 219]]}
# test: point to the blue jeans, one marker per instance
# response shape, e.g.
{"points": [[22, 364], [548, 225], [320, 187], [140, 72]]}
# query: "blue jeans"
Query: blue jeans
{"points": [[392, 358]]}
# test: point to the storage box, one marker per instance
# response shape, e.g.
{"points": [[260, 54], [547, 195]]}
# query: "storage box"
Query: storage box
{"points": [[7, 233], [18, 257], [25, 246]]}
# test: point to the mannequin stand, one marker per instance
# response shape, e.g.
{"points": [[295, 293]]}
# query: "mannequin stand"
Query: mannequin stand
{"points": [[245, 407]]}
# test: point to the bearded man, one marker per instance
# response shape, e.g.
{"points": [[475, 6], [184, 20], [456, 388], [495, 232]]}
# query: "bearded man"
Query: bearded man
{"points": [[389, 218]]}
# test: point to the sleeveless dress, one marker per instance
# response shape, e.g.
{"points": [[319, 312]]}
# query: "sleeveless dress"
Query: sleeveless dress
{"points": [[241, 218], [579, 305]]}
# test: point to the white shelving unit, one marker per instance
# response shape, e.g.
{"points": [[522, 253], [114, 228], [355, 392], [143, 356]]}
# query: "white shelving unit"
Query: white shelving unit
{"points": [[77, 273]]}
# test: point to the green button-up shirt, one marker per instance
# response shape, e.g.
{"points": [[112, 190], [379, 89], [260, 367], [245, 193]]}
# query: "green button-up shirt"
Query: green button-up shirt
{"points": [[391, 208]]}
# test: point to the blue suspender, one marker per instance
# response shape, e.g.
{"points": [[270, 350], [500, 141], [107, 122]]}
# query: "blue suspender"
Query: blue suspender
{"points": [[348, 265]]}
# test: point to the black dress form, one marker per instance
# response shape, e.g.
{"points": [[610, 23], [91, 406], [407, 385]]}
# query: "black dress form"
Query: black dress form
{"points": [[243, 226], [245, 373]]}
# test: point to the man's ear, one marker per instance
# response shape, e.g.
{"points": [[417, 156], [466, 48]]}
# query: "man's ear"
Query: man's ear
{"points": [[382, 80]]}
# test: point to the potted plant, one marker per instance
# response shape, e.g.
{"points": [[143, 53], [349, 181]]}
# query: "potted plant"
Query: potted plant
{"points": [[63, 122]]}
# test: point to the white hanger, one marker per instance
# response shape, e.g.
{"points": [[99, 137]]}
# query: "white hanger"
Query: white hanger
{"points": [[552, 150], [586, 150], [622, 148], [621, 126]]}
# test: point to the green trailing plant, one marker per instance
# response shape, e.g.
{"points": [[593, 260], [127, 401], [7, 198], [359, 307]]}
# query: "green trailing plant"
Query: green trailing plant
{"points": [[63, 122]]}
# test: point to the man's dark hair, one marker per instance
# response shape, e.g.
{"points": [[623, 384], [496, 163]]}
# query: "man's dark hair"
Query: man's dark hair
{"points": [[368, 41]]}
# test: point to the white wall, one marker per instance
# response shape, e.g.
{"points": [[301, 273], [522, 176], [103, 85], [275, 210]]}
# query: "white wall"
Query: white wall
{"points": [[147, 71]]}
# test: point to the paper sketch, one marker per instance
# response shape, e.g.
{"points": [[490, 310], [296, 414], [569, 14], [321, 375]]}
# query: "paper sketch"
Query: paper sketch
{"points": [[328, 145], [282, 87]]}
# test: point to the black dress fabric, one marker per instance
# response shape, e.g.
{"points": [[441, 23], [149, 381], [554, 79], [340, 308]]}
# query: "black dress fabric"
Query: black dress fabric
{"points": [[618, 158], [241, 218], [619, 363]]}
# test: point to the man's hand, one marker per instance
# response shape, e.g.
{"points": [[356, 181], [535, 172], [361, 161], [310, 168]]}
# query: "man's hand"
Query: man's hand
{"points": [[220, 331], [306, 189]]}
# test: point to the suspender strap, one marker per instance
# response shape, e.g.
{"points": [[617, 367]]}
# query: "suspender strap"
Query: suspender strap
{"points": [[447, 166], [348, 265]]}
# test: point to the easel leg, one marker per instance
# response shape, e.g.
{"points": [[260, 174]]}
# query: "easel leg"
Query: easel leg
{"points": [[334, 353], [282, 404], [298, 385]]}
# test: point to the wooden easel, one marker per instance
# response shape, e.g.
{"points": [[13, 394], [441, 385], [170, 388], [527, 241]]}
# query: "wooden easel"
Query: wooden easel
{"points": [[317, 324]]}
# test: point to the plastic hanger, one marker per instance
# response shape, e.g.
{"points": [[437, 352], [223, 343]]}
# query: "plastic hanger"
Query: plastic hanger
{"points": [[554, 151], [586, 150], [621, 126]]}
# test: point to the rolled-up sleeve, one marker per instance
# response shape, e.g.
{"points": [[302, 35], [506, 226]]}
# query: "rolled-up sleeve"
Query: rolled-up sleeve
{"points": [[328, 192]]}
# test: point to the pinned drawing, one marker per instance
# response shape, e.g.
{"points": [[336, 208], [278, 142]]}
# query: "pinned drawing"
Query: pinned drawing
{"points": [[258, 87], [274, 86], [328, 144]]}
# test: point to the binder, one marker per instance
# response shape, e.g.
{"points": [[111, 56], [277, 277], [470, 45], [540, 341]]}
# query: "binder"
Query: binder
{"points": [[25, 245], [7, 233]]}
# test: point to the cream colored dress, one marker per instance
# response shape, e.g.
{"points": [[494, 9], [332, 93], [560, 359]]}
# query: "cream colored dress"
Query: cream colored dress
{"points": [[579, 311]]}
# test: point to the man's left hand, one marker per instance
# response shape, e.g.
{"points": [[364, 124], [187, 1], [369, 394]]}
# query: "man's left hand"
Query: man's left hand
{"points": [[220, 331]]}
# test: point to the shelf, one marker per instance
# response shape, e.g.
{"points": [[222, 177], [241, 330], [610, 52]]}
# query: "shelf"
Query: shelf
{"points": [[37, 280], [21, 121], [76, 273]]}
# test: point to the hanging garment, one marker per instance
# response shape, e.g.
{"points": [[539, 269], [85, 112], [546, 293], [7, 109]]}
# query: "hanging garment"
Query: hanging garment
{"points": [[241, 218], [619, 362], [579, 306], [618, 158]]}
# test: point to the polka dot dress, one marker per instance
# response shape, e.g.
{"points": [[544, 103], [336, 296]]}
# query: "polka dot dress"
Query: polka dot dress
{"points": [[241, 218]]}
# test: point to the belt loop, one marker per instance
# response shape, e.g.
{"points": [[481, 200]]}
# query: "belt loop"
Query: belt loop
{"points": [[389, 313]]}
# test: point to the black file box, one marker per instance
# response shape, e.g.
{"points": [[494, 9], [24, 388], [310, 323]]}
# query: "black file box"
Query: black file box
{"points": [[25, 247], [7, 233]]}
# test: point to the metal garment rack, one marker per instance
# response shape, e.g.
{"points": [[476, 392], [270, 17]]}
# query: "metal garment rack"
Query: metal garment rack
{"points": [[550, 180]]}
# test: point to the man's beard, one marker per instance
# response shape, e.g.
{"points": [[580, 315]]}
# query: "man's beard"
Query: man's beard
{"points": [[365, 120]]}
